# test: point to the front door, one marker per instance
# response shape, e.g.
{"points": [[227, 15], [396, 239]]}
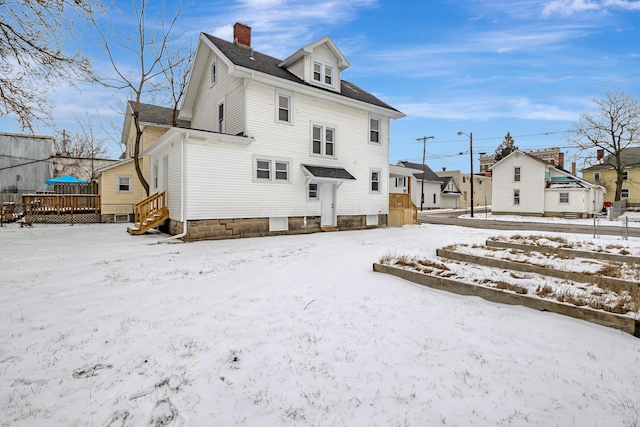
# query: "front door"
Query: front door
{"points": [[328, 205]]}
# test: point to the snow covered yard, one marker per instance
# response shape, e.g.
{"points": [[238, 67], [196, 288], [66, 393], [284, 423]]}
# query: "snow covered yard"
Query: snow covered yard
{"points": [[102, 328]]}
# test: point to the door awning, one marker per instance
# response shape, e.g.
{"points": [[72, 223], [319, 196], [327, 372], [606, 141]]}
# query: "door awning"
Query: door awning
{"points": [[325, 173]]}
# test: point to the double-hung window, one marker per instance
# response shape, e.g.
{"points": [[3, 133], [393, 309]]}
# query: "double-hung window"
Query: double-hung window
{"points": [[263, 169], [312, 193], [123, 184], [323, 141], [516, 197], [564, 197], [221, 118], [596, 176], [516, 174], [283, 112], [625, 175], [267, 169], [213, 71], [322, 73], [375, 181], [625, 193], [374, 130]]}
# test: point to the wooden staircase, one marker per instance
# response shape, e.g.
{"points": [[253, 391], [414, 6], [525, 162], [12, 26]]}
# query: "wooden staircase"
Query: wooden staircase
{"points": [[149, 213]]}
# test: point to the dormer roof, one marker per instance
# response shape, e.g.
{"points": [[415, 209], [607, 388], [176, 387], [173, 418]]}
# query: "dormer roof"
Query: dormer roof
{"points": [[308, 50]]}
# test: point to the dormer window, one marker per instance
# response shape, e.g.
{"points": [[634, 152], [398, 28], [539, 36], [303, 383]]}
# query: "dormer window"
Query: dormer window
{"points": [[322, 73]]}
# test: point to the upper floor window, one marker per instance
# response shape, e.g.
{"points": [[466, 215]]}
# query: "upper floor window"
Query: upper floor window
{"points": [[374, 130], [625, 175], [596, 176], [213, 72], [322, 73], [516, 174], [221, 118], [323, 141], [284, 108]]}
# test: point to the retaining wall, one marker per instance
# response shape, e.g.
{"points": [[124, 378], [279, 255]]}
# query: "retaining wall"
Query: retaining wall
{"points": [[622, 323]]}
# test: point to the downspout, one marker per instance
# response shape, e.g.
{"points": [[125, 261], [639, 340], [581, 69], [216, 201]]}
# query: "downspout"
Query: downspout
{"points": [[183, 199]]}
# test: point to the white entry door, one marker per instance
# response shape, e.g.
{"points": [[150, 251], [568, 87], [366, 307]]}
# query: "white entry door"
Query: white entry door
{"points": [[328, 205]]}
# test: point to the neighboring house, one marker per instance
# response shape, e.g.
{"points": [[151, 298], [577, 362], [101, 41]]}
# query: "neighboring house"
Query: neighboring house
{"points": [[274, 147], [481, 187], [550, 155], [526, 185], [119, 186], [604, 174], [449, 193], [25, 164], [432, 190]]}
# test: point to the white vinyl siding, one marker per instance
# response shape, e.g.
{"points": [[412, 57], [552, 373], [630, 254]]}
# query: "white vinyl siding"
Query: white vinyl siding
{"points": [[247, 199], [228, 90]]}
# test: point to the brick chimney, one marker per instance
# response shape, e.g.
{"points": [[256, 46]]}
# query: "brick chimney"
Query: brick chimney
{"points": [[573, 168], [242, 34], [599, 154], [561, 160]]}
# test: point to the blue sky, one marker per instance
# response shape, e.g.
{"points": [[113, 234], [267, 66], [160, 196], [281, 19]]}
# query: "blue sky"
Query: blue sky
{"points": [[485, 67]]}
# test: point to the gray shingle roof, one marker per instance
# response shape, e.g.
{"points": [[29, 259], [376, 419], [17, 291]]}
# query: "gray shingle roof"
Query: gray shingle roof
{"points": [[630, 158], [241, 56], [328, 172], [158, 115], [429, 174]]}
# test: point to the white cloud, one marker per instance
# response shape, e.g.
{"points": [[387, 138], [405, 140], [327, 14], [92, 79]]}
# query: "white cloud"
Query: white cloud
{"points": [[489, 108], [570, 7]]}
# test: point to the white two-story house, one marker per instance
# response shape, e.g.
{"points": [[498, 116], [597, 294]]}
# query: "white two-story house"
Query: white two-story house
{"points": [[274, 146]]}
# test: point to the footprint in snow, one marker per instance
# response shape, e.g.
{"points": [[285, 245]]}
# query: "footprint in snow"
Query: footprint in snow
{"points": [[90, 371], [118, 419], [165, 415]]}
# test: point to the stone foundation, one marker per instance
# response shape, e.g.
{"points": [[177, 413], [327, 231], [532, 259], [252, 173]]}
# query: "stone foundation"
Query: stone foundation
{"points": [[234, 228]]}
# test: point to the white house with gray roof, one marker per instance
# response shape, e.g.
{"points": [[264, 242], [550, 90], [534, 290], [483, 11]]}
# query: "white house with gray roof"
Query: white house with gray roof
{"points": [[274, 146], [525, 185]]}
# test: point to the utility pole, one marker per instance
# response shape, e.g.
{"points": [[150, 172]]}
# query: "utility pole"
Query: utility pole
{"points": [[470, 135], [424, 152]]}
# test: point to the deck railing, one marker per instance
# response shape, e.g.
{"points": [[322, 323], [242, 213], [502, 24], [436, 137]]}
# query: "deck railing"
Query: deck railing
{"points": [[60, 204], [402, 210], [149, 206]]}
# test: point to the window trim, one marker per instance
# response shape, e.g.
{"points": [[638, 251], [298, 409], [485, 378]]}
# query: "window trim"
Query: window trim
{"points": [[517, 174], [130, 185], [221, 118], [272, 163], [378, 181], [315, 199], [323, 140], [627, 190], [379, 130], [289, 96], [213, 73], [516, 197], [565, 202], [323, 73]]}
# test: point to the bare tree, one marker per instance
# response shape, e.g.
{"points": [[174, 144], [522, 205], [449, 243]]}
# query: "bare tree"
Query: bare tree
{"points": [[33, 36], [612, 127], [177, 66], [79, 150], [148, 44]]}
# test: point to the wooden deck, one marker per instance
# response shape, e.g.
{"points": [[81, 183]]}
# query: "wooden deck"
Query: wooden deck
{"points": [[60, 204], [402, 211]]}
